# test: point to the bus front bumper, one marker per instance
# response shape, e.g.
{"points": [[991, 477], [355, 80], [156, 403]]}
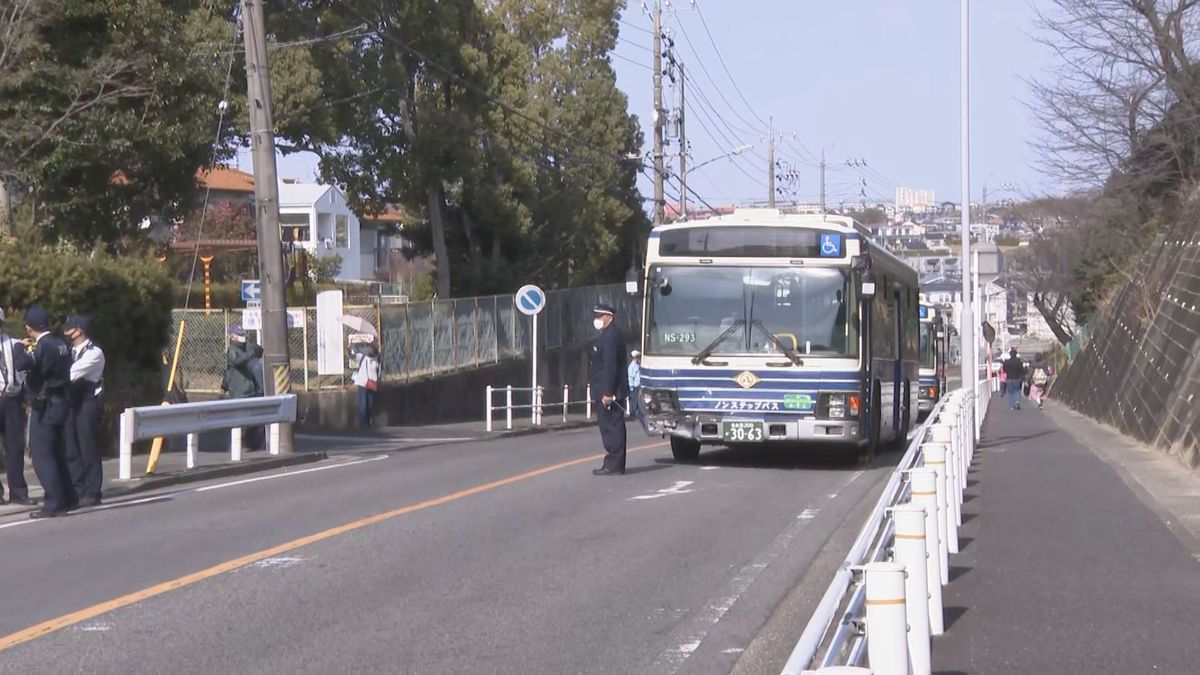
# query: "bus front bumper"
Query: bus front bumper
{"points": [[709, 428]]}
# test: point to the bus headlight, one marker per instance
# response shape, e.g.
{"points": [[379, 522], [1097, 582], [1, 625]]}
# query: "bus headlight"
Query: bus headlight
{"points": [[659, 401], [837, 406]]}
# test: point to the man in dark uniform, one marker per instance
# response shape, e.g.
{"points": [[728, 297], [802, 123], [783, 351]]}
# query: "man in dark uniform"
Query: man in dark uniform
{"points": [[610, 386], [14, 361], [83, 424], [46, 385]]}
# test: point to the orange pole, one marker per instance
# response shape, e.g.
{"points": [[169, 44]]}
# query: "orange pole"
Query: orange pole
{"points": [[207, 260]]}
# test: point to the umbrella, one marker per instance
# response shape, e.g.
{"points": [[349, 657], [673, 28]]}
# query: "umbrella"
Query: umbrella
{"points": [[359, 325]]}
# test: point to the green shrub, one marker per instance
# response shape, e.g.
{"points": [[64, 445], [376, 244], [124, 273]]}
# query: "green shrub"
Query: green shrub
{"points": [[129, 298]]}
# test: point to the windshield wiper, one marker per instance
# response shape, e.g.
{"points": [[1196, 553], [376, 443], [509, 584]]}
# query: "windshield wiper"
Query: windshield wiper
{"points": [[712, 346], [787, 351]]}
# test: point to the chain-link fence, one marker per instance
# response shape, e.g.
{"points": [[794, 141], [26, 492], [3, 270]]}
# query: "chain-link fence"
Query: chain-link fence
{"points": [[417, 339]]}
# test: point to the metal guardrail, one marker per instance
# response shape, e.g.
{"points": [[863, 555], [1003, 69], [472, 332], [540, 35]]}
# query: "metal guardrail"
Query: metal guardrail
{"points": [[189, 419], [537, 405], [841, 625]]}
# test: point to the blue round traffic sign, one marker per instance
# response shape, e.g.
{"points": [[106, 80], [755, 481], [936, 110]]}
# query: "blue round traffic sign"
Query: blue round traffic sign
{"points": [[530, 300]]}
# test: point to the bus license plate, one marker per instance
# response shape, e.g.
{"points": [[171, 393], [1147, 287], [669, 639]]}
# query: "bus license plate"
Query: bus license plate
{"points": [[743, 432]]}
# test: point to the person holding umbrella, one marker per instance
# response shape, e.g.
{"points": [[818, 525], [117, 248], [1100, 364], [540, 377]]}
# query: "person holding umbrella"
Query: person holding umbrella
{"points": [[365, 361]]}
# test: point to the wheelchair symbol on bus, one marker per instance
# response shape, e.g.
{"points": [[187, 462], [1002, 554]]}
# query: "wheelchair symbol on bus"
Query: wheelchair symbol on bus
{"points": [[831, 245]]}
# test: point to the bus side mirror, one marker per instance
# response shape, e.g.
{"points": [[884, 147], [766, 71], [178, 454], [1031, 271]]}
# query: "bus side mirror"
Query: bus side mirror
{"points": [[867, 287]]}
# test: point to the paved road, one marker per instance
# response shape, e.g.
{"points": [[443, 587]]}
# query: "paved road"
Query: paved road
{"points": [[499, 556]]}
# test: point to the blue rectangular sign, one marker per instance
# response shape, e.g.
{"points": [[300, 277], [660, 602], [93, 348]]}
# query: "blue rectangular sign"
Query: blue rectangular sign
{"points": [[251, 290], [831, 245]]}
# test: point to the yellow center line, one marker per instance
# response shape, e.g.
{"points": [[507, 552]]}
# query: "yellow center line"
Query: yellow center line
{"points": [[66, 620]]}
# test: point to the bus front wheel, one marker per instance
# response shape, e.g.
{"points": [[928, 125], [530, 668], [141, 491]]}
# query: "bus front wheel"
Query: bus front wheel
{"points": [[684, 449]]}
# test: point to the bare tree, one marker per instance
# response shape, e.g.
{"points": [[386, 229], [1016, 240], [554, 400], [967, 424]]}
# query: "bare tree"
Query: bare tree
{"points": [[1122, 66]]}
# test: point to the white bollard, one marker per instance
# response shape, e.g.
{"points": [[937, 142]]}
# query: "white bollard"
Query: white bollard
{"points": [[235, 444], [953, 514], [125, 468], [887, 634], [935, 458], [924, 494], [273, 438], [193, 444], [508, 407], [566, 400], [488, 408], [910, 552]]}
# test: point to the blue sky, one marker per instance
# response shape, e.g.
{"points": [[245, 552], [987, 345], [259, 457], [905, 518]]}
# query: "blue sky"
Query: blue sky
{"points": [[873, 80]]}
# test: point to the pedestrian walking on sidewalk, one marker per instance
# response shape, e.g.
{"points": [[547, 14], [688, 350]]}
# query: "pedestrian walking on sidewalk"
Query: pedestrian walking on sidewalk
{"points": [[83, 423], [1014, 376], [610, 385], [1038, 383], [46, 385], [366, 364], [14, 361], [241, 380]]}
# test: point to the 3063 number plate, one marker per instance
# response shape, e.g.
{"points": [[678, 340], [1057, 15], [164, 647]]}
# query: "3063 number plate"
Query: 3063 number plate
{"points": [[743, 432]]}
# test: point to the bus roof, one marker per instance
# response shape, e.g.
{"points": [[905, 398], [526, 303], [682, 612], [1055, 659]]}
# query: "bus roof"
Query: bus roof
{"points": [[758, 217]]}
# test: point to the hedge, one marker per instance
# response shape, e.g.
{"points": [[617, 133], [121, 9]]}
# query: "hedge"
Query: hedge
{"points": [[128, 298]]}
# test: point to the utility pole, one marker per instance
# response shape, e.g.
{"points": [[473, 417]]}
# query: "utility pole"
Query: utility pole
{"points": [[822, 180], [771, 163], [659, 169], [276, 362], [683, 148]]}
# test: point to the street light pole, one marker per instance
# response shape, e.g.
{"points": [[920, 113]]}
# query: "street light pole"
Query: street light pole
{"points": [[966, 329]]}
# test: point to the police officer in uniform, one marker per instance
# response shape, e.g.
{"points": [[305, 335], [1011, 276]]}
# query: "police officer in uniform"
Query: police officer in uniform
{"points": [[610, 386], [14, 361], [83, 424], [46, 385]]}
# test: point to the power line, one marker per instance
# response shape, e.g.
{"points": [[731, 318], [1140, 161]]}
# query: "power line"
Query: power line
{"points": [[634, 26], [636, 44], [636, 63], [713, 81], [721, 58]]}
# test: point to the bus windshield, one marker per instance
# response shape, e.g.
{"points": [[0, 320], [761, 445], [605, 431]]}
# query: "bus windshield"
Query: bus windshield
{"points": [[927, 344], [752, 310]]}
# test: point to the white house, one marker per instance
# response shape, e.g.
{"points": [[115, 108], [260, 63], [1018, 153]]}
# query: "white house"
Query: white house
{"points": [[318, 218]]}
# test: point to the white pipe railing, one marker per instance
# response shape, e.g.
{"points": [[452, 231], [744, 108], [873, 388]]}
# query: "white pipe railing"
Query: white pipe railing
{"points": [[536, 406], [930, 477]]}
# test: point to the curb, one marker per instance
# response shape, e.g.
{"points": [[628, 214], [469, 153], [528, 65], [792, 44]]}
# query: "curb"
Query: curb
{"points": [[531, 431], [157, 481]]}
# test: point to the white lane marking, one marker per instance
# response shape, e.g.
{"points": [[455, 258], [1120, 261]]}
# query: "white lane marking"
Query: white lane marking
{"points": [[689, 637], [166, 496], [95, 627], [733, 650], [245, 481], [709, 468], [278, 562], [678, 488], [846, 483], [361, 441], [808, 514]]}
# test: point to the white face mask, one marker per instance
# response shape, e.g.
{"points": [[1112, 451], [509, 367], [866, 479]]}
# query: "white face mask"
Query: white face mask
{"points": [[598, 323]]}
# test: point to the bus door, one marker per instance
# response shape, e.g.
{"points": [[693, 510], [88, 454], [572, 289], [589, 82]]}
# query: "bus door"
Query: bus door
{"points": [[897, 365]]}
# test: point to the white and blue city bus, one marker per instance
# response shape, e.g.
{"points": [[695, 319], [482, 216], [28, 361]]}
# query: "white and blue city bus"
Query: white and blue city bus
{"points": [[764, 327], [933, 359]]}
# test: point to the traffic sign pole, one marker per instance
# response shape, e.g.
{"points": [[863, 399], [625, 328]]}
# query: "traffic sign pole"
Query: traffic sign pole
{"points": [[530, 301]]}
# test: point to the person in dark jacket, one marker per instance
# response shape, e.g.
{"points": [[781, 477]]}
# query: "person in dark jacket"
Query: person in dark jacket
{"points": [[241, 378], [46, 385], [1014, 374], [14, 362], [610, 386]]}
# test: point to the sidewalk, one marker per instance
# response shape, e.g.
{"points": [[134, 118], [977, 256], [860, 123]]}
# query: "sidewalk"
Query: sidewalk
{"points": [[213, 460], [1064, 569]]}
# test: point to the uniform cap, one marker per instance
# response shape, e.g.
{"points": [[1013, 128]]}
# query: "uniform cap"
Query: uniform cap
{"points": [[601, 308], [77, 321], [37, 318], [236, 329], [635, 353]]}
